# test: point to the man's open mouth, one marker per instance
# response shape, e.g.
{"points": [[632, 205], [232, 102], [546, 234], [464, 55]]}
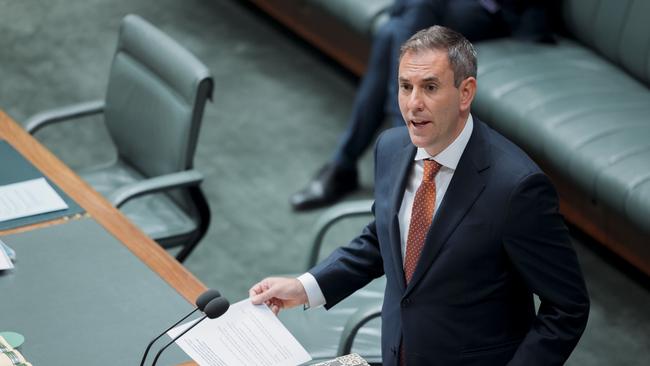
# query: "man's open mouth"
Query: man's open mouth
{"points": [[419, 123]]}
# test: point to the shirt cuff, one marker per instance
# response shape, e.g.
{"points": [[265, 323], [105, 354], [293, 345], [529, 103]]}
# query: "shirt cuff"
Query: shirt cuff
{"points": [[315, 296]]}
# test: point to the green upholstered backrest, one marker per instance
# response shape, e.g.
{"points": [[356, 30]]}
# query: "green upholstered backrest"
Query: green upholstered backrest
{"points": [[617, 29], [155, 99], [362, 15]]}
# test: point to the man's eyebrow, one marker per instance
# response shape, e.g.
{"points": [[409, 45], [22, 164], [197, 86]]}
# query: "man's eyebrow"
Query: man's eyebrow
{"points": [[427, 80], [431, 79]]}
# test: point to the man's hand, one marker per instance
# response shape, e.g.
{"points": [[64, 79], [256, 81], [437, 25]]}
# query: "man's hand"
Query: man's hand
{"points": [[278, 293]]}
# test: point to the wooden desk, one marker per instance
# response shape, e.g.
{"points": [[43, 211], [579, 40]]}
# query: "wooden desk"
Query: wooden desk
{"points": [[100, 209], [111, 219]]}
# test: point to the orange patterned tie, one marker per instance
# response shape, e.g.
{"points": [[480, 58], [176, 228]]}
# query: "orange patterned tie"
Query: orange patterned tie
{"points": [[421, 217]]}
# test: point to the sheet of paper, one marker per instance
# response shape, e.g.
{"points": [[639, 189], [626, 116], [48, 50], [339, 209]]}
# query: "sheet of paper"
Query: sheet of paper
{"points": [[246, 335], [5, 261], [8, 250], [31, 197]]}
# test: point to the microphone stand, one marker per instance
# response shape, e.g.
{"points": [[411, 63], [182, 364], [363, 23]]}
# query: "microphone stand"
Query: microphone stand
{"points": [[144, 357], [176, 338]]}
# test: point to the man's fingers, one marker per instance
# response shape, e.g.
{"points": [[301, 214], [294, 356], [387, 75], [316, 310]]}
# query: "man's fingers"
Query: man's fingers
{"points": [[277, 293], [259, 299], [256, 289], [266, 293]]}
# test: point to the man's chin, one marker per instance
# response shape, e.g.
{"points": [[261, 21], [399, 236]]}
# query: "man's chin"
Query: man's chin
{"points": [[418, 140], [421, 143]]}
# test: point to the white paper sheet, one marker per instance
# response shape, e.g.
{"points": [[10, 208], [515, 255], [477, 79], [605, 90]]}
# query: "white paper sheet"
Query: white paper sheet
{"points": [[246, 335], [31, 197], [5, 261]]}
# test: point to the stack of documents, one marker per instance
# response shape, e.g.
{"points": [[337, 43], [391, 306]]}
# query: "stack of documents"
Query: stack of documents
{"points": [[9, 356], [7, 255]]}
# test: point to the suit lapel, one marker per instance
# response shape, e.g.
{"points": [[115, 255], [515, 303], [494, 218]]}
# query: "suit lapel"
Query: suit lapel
{"points": [[401, 166], [464, 188]]}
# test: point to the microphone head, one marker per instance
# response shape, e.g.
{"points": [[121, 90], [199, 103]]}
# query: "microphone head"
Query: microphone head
{"points": [[216, 307], [206, 297]]}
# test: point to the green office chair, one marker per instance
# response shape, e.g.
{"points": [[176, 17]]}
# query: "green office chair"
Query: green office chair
{"points": [[353, 325], [153, 108]]}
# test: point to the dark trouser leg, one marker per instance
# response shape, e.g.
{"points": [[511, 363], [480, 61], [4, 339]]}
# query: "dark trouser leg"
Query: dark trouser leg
{"points": [[367, 109]]}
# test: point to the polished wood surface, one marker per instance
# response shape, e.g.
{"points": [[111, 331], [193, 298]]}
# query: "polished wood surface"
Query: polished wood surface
{"points": [[100, 209]]}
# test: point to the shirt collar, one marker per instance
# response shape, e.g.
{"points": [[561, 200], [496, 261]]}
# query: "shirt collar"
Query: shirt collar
{"points": [[450, 156]]}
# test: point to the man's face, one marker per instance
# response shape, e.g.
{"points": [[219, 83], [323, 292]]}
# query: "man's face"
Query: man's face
{"points": [[434, 109]]}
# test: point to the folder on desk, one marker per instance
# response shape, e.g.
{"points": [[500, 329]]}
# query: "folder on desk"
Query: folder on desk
{"points": [[15, 168]]}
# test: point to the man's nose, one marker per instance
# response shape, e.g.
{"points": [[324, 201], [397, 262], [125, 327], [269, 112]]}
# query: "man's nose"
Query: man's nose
{"points": [[415, 101]]}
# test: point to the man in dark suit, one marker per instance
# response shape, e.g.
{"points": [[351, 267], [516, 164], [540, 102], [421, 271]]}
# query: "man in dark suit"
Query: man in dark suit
{"points": [[466, 230]]}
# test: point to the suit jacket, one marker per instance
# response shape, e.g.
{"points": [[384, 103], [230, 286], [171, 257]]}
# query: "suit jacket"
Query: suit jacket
{"points": [[496, 239]]}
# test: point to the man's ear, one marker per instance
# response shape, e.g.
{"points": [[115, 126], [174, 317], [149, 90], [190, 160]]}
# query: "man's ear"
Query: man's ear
{"points": [[467, 91]]}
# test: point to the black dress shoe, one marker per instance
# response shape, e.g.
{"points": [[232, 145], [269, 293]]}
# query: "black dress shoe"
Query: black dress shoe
{"points": [[330, 184]]}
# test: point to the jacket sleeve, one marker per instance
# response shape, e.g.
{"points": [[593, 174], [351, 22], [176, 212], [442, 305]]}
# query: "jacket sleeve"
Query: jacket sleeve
{"points": [[349, 268], [539, 246]]}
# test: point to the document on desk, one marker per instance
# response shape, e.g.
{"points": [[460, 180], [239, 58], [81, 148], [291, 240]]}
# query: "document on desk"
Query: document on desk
{"points": [[246, 335], [31, 197], [5, 259]]}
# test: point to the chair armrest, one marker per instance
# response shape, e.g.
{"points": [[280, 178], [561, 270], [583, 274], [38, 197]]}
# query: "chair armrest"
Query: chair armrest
{"points": [[332, 216], [74, 111], [155, 184], [354, 323]]}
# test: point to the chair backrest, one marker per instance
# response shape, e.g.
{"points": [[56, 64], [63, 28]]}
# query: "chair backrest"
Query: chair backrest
{"points": [[156, 94], [617, 29]]}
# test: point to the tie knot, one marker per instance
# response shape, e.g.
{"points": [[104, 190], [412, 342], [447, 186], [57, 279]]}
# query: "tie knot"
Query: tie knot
{"points": [[431, 168]]}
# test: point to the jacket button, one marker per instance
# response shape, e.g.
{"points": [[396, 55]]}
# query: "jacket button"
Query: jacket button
{"points": [[393, 350], [406, 302]]}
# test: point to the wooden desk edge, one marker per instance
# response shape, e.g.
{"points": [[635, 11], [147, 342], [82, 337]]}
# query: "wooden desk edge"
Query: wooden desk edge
{"points": [[149, 252]]}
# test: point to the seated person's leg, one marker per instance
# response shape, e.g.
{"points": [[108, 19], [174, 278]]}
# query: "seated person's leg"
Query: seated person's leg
{"points": [[339, 176]]}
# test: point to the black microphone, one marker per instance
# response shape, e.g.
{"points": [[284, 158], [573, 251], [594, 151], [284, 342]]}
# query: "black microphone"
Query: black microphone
{"points": [[214, 309], [201, 302]]}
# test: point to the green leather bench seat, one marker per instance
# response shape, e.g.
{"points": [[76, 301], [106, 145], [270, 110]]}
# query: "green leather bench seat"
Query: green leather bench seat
{"points": [[578, 114], [582, 109]]}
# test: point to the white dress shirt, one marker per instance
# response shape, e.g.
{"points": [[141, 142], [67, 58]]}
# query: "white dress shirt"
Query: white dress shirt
{"points": [[448, 158]]}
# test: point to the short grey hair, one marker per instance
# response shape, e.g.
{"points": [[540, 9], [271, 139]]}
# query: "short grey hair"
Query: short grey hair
{"points": [[461, 52]]}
